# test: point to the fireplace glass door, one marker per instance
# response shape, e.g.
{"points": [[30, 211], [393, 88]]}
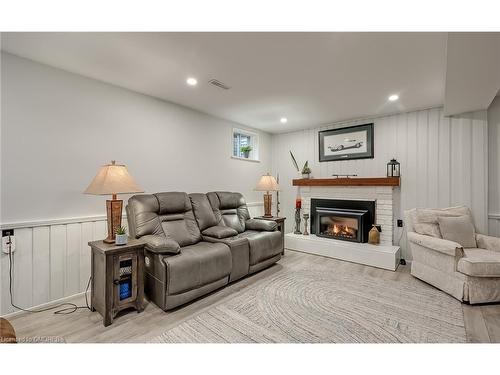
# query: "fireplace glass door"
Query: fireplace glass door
{"points": [[340, 224]]}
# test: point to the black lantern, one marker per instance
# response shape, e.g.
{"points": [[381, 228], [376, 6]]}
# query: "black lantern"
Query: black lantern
{"points": [[393, 169]]}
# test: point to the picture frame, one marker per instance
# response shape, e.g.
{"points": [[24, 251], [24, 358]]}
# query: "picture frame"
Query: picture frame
{"points": [[349, 143]]}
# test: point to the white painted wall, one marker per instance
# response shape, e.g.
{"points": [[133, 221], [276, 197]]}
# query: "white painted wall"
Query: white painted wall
{"points": [[58, 128], [443, 161], [494, 167]]}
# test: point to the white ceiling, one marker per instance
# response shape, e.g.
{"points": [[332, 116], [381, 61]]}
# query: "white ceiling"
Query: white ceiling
{"points": [[472, 71], [310, 78]]}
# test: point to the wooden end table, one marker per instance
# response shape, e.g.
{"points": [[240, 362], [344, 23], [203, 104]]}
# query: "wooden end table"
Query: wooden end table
{"points": [[117, 278], [281, 226]]}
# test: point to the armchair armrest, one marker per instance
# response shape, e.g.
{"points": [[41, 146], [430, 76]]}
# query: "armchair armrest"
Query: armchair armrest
{"points": [[261, 225], [488, 242], [161, 244], [451, 248], [219, 231]]}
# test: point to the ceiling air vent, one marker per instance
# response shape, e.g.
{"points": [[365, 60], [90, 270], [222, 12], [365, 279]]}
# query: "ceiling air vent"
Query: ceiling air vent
{"points": [[219, 84]]}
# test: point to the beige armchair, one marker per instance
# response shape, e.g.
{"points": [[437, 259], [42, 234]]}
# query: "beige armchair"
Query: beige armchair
{"points": [[470, 274]]}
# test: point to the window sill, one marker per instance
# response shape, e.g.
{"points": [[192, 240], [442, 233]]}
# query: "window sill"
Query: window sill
{"points": [[245, 159]]}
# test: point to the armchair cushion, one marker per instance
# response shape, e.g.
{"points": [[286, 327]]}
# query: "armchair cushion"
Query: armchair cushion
{"points": [[261, 225], [480, 263], [488, 242], [161, 245], [219, 231], [425, 220], [438, 244], [458, 229]]}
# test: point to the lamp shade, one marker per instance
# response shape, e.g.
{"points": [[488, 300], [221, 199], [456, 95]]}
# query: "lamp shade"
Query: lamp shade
{"points": [[267, 183], [113, 179]]}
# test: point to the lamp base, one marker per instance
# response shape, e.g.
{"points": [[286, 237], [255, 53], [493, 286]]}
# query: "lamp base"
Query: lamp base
{"points": [[268, 198], [114, 215]]}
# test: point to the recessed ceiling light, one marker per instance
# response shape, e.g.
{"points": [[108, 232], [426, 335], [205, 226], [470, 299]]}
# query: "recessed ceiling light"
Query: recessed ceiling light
{"points": [[393, 97], [192, 81], [283, 120]]}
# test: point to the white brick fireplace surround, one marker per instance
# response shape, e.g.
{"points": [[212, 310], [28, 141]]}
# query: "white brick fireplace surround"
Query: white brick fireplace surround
{"points": [[382, 195], [384, 255]]}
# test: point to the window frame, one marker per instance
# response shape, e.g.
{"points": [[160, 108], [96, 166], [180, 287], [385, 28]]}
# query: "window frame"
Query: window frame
{"points": [[254, 142]]}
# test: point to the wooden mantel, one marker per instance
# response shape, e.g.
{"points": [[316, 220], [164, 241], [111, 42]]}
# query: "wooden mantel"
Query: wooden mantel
{"points": [[351, 181]]}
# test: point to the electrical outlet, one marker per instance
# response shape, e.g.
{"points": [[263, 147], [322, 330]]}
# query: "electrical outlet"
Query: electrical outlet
{"points": [[7, 232], [400, 223], [6, 243]]}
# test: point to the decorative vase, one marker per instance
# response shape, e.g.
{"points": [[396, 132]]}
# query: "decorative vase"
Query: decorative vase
{"points": [[297, 221], [246, 154], [306, 175], [306, 217], [374, 235], [121, 239]]}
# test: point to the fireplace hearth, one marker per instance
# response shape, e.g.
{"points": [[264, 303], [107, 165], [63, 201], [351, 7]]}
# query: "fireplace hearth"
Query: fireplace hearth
{"points": [[346, 220]]}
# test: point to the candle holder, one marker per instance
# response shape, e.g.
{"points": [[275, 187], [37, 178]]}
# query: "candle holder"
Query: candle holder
{"points": [[306, 217], [297, 221]]}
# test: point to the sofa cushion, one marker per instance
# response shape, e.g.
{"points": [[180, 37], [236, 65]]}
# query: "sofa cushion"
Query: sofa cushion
{"points": [[197, 265], [230, 209], [177, 218], [425, 220], [142, 215], [480, 263], [262, 245], [458, 229], [219, 231], [203, 211]]}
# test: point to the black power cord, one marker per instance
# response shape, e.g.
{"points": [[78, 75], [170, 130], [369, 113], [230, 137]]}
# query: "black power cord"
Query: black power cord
{"points": [[65, 311], [402, 261]]}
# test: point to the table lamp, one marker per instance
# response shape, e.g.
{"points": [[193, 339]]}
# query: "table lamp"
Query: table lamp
{"points": [[267, 183], [113, 179]]}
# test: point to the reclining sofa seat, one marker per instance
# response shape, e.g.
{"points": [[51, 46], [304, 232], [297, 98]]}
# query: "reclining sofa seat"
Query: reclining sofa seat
{"points": [[187, 256], [179, 265], [255, 244]]}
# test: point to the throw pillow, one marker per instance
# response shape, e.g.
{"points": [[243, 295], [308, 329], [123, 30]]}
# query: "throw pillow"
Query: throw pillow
{"points": [[458, 229]]}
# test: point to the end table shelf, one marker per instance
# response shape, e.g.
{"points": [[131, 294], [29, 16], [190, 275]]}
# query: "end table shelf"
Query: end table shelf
{"points": [[117, 278]]}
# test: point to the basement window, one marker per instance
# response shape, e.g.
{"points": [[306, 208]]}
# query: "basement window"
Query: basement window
{"points": [[245, 145]]}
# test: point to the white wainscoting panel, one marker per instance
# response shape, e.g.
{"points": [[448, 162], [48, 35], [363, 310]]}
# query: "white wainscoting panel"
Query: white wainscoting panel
{"points": [[52, 261], [494, 225], [444, 162]]}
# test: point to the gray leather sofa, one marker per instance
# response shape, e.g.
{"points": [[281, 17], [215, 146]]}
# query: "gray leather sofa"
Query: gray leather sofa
{"points": [[198, 243]]}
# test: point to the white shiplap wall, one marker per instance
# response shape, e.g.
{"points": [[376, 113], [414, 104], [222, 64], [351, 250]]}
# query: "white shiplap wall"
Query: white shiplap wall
{"points": [[494, 169], [52, 260], [443, 161]]}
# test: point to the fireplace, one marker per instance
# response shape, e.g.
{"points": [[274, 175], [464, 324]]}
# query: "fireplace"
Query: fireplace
{"points": [[346, 220]]}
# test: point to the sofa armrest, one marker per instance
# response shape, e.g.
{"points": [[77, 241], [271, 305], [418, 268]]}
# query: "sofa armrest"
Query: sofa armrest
{"points": [[161, 244], [488, 242], [451, 248], [219, 231], [261, 225]]}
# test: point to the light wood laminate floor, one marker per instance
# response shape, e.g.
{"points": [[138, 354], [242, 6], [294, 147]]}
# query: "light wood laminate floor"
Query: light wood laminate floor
{"points": [[482, 323]]}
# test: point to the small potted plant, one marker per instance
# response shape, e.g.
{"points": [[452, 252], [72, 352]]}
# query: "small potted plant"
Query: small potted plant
{"points": [[306, 171], [121, 236], [246, 151]]}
